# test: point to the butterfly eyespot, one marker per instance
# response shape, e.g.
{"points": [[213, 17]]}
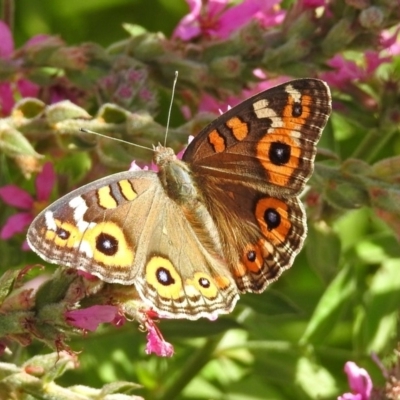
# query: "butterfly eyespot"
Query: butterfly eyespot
{"points": [[106, 244], [62, 233], [279, 153], [205, 283], [272, 218], [251, 255], [297, 110], [254, 258], [164, 276]]}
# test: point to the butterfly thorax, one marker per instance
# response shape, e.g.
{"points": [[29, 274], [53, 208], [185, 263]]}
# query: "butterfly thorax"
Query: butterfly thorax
{"points": [[176, 178]]}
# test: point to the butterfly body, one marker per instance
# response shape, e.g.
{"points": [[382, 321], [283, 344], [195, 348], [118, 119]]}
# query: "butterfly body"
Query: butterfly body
{"points": [[224, 220]]}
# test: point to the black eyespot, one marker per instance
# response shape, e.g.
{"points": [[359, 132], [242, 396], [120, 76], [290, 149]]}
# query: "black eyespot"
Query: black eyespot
{"points": [[297, 110], [164, 276], [106, 244], [279, 153], [205, 283], [251, 256], [272, 218], [63, 234]]}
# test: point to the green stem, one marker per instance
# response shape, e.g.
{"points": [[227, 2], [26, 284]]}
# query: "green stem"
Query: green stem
{"points": [[195, 364], [8, 13], [372, 144]]}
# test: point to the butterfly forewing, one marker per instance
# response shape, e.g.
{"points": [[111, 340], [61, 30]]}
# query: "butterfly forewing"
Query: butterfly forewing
{"points": [[268, 141]]}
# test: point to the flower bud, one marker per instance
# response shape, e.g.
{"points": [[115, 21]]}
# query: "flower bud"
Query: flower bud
{"points": [[371, 18], [227, 67], [65, 110], [13, 143], [293, 50]]}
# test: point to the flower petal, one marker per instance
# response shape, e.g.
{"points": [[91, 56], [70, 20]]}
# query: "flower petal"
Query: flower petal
{"points": [[6, 99], [27, 88], [188, 26], [45, 182], [15, 224], [359, 381], [237, 16], [16, 197], [25, 246], [156, 343], [6, 42], [90, 318], [37, 39]]}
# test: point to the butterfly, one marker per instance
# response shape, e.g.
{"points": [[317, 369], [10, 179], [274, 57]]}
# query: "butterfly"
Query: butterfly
{"points": [[224, 220]]}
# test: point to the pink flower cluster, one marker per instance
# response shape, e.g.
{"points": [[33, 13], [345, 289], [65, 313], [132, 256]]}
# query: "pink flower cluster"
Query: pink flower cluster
{"points": [[215, 19]]}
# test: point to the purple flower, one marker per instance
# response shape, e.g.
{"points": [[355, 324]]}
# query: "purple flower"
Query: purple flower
{"points": [[28, 205], [21, 87], [90, 318], [216, 19], [359, 381]]}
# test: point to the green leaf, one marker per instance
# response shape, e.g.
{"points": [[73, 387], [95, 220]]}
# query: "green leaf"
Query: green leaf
{"points": [[134, 29], [323, 250], [199, 328], [379, 319], [7, 282], [334, 299]]}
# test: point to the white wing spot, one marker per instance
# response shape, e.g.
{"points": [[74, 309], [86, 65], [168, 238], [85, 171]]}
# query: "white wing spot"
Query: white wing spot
{"points": [[291, 91], [262, 110], [80, 208], [50, 221]]}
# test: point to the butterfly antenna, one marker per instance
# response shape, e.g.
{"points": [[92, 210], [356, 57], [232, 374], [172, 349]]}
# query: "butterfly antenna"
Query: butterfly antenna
{"points": [[116, 139], [170, 107]]}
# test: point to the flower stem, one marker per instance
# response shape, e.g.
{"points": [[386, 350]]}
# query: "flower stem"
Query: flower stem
{"points": [[372, 143], [8, 13], [195, 364]]}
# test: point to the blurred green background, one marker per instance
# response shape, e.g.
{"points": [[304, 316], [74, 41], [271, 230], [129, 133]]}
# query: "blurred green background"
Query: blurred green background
{"points": [[100, 21], [340, 299]]}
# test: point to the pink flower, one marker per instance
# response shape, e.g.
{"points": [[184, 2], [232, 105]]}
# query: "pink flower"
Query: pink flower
{"points": [[29, 206], [359, 381], [19, 87], [90, 318], [216, 19], [391, 41], [155, 341], [343, 72], [346, 71]]}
